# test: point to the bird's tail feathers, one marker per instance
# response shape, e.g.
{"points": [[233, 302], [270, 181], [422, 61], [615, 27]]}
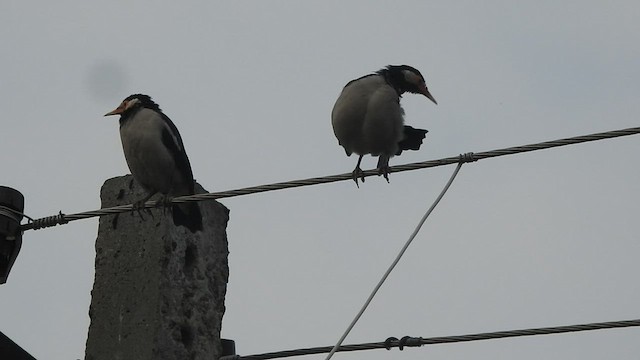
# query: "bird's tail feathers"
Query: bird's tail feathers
{"points": [[412, 139], [188, 215]]}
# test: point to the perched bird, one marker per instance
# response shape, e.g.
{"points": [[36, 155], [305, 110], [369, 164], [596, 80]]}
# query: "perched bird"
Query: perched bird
{"points": [[156, 157], [367, 117]]}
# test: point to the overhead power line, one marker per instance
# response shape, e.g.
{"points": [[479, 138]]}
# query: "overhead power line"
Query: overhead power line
{"points": [[63, 219], [418, 341], [396, 260]]}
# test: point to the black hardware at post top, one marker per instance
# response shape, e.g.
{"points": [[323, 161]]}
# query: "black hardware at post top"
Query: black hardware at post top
{"points": [[11, 209]]}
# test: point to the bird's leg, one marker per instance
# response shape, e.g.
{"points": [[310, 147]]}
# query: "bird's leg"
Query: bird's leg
{"points": [[384, 172], [165, 202], [383, 166], [138, 206], [357, 172]]}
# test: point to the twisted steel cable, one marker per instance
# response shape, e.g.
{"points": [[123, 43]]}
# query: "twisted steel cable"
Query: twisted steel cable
{"points": [[469, 157], [408, 341]]}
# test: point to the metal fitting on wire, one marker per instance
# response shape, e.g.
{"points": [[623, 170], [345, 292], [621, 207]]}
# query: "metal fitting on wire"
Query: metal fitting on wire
{"points": [[406, 341], [467, 157], [11, 208]]}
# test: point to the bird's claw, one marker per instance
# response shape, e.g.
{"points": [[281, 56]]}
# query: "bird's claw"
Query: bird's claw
{"points": [[138, 207], [165, 203], [384, 171], [357, 174]]}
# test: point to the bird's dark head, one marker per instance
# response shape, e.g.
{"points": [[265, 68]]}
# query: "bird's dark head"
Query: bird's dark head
{"points": [[133, 102], [405, 78]]}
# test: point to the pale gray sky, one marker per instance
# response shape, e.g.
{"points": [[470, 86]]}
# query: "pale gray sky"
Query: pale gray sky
{"points": [[539, 239]]}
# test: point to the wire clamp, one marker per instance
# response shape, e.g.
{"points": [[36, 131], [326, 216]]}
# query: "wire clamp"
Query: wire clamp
{"points": [[49, 221], [406, 341], [467, 157]]}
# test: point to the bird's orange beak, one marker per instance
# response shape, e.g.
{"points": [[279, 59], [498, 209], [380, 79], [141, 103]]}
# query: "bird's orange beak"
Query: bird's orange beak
{"points": [[118, 110], [424, 91]]}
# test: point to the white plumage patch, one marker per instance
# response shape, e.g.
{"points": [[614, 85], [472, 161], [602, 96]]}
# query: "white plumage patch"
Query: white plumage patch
{"points": [[131, 103], [412, 77]]}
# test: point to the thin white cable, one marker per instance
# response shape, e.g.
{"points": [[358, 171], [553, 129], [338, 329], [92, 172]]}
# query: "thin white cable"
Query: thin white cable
{"points": [[395, 261]]}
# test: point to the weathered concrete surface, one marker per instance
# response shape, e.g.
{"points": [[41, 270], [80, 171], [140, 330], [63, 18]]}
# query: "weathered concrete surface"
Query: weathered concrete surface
{"points": [[159, 289]]}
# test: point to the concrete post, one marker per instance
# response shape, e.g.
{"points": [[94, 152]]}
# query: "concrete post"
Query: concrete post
{"points": [[159, 289]]}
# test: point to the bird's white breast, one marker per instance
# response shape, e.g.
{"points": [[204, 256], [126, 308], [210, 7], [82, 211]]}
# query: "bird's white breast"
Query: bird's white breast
{"points": [[149, 160]]}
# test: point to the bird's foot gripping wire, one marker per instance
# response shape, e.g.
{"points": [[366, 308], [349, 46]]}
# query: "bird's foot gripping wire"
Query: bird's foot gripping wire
{"points": [[383, 166], [165, 203], [384, 171], [357, 174], [139, 206]]}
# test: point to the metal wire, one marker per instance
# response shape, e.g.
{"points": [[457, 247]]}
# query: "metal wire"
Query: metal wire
{"points": [[11, 213], [398, 257], [348, 176], [414, 342]]}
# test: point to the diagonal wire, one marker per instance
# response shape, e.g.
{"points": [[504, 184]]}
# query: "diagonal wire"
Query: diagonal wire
{"points": [[63, 219], [397, 259], [414, 342]]}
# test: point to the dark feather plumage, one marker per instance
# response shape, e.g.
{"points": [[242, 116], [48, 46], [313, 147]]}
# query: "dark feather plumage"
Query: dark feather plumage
{"points": [[412, 139], [393, 76], [156, 156]]}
